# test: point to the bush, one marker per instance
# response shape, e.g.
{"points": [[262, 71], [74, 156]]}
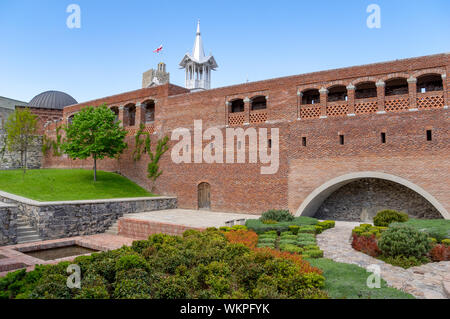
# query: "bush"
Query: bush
{"points": [[303, 243], [366, 244], [404, 241], [436, 228], [440, 252], [259, 227], [313, 254], [131, 262], [277, 215], [319, 229], [269, 222], [405, 262], [309, 229], [291, 248], [269, 240], [388, 216], [446, 242], [294, 229], [327, 224]]}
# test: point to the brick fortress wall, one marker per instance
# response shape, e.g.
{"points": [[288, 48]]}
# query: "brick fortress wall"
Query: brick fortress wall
{"points": [[403, 118]]}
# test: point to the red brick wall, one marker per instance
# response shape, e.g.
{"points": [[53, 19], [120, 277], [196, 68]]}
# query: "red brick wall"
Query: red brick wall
{"points": [[241, 187]]}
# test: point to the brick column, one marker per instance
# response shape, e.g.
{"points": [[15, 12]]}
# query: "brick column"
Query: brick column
{"points": [[227, 111], [323, 102], [247, 110], [380, 96], [351, 99], [412, 92], [445, 88], [140, 114], [121, 116], [299, 102]]}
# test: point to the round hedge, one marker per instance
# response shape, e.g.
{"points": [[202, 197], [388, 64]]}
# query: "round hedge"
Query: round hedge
{"points": [[402, 240]]}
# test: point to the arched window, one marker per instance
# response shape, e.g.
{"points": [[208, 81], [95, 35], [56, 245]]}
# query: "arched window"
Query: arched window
{"points": [[258, 103], [365, 90], [70, 119], [237, 106], [429, 83], [396, 86], [115, 109], [131, 114], [311, 96], [149, 111], [337, 93]]}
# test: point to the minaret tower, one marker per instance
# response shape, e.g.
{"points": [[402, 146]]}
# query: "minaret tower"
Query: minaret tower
{"points": [[198, 67]]}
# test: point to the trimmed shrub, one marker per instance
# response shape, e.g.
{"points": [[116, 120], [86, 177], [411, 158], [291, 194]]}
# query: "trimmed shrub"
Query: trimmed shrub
{"points": [[366, 244], [269, 221], [311, 247], [294, 229], [277, 215], [307, 229], [131, 262], [446, 242], [291, 248], [440, 252], [313, 254], [405, 262], [239, 227], [259, 227], [266, 240], [388, 216], [436, 228], [303, 243], [327, 224], [404, 241], [319, 229]]}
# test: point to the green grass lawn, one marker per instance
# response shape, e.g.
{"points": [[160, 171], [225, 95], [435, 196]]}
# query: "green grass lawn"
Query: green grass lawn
{"points": [[346, 281], [437, 228], [68, 184]]}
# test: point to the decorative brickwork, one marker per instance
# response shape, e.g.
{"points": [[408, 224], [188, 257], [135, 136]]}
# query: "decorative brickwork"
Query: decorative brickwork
{"points": [[430, 100], [337, 109], [236, 119], [310, 112], [396, 103], [366, 106], [258, 117]]}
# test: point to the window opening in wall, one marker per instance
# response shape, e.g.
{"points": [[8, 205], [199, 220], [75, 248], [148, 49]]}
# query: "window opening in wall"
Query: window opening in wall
{"points": [[383, 137], [341, 139], [429, 135]]}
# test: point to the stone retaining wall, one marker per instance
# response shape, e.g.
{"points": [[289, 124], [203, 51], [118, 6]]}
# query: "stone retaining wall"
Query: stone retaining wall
{"points": [[11, 160], [75, 218], [8, 226]]}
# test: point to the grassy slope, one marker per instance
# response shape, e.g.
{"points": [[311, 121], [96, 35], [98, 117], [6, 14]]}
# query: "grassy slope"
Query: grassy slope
{"points": [[68, 184], [349, 281], [438, 228]]}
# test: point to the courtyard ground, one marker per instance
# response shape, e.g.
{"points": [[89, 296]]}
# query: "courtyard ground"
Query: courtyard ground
{"points": [[68, 184], [429, 281]]}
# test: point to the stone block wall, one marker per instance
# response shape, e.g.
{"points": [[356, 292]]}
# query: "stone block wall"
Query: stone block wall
{"points": [[8, 226], [11, 160], [67, 219]]}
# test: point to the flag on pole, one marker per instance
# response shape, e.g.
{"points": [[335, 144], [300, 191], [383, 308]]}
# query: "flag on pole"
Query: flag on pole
{"points": [[159, 49]]}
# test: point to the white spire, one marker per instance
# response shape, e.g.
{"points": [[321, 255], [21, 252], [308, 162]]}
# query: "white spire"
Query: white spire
{"points": [[198, 53], [197, 66]]}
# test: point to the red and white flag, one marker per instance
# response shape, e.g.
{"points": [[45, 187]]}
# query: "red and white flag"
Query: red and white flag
{"points": [[159, 49]]}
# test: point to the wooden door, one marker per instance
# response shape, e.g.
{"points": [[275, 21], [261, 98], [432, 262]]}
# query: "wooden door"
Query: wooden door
{"points": [[204, 196]]}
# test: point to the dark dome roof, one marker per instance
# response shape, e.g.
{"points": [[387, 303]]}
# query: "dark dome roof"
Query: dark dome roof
{"points": [[52, 100]]}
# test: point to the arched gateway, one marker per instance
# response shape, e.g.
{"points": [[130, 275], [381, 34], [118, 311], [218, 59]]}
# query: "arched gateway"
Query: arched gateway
{"points": [[311, 205]]}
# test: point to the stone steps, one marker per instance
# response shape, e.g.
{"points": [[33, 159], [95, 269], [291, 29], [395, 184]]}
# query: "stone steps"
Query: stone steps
{"points": [[114, 229], [25, 232]]}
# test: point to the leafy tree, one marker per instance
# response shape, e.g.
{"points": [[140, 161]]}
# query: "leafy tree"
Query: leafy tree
{"points": [[94, 133], [21, 132]]}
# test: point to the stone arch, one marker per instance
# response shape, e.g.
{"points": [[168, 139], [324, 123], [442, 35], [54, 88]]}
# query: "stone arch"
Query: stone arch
{"points": [[313, 201]]}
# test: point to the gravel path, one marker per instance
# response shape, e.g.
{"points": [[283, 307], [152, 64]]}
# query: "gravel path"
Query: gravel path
{"points": [[430, 281]]}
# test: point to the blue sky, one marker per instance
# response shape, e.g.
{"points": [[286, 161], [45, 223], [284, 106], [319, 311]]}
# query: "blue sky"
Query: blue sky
{"points": [[255, 39]]}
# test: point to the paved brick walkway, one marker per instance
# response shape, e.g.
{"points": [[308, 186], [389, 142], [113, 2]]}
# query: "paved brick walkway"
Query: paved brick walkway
{"points": [[425, 282]]}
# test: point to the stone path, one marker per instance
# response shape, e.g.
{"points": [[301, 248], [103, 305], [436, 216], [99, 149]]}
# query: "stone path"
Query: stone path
{"points": [[430, 281]]}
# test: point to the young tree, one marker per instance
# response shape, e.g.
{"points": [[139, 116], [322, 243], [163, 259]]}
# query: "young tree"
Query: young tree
{"points": [[94, 133], [21, 130]]}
